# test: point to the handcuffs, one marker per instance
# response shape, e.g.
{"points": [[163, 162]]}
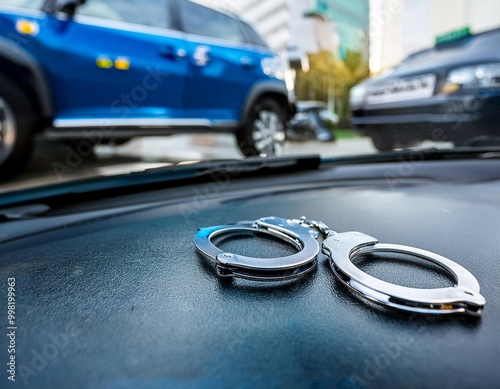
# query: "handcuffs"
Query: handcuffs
{"points": [[341, 249]]}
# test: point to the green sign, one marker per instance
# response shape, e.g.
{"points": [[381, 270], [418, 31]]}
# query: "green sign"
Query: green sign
{"points": [[453, 36]]}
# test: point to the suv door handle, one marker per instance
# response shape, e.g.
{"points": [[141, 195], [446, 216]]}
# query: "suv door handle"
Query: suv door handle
{"points": [[172, 53], [248, 63]]}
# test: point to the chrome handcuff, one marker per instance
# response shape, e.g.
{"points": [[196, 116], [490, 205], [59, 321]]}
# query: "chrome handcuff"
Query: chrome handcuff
{"points": [[341, 249]]}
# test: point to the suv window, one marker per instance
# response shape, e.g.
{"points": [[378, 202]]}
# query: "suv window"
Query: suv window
{"points": [[252, 36], [200, 20], [34, 4], [153, 13]]}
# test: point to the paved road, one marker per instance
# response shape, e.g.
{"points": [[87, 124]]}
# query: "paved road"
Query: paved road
{"points": [[55, 163]]}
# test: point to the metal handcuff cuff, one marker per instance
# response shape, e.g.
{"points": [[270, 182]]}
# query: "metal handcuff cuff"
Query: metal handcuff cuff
{"points": [[341, 249]]}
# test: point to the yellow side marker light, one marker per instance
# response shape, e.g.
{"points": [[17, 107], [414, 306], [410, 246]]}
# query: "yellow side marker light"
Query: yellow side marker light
{"points": [[27, 27], [104, 63], [122, 63]]}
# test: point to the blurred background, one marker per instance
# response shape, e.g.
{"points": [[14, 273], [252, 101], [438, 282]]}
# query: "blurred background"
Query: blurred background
{"points": [[334, 44], [328, 47]]}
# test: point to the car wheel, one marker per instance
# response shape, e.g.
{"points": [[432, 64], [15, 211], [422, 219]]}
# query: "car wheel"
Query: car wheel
{"points": [[384, 143], [118, 142], [17, 124], [264, 132], [407, 143]]}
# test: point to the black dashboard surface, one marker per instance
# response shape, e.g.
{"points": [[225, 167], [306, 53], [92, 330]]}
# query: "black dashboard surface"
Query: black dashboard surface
{"points": [[126, 302]]}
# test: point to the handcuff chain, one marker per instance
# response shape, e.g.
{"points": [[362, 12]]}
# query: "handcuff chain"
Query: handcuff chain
{"points": [[320, 226]]}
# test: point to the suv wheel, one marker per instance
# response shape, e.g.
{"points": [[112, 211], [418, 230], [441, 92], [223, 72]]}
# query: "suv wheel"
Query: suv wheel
{"points": [[264, 132], [17, 123], [384, 143]]}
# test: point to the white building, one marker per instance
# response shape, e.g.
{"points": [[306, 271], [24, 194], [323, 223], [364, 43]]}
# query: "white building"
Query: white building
{"points": [[271, 18], [402, 27], [281, 23], [225, 5]]}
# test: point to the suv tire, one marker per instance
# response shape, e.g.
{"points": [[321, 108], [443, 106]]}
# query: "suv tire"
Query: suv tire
{"points": [[384, 143], [17, 124], [264, 131]]}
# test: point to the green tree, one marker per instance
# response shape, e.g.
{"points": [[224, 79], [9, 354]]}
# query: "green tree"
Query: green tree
{"points": [[329, 76]]}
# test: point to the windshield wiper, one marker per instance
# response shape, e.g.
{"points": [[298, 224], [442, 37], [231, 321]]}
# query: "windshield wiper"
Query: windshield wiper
{"points": [[24, 212], [76, 192], [485, 141], [412, 155]]}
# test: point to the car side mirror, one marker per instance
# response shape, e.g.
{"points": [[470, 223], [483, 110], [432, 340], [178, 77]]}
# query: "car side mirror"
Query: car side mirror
{"points": [[69, 7]]}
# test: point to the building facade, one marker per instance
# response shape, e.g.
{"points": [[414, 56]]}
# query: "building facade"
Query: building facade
{"points": [[271, 18], [403, 27], [311, 25], [351, 24]]}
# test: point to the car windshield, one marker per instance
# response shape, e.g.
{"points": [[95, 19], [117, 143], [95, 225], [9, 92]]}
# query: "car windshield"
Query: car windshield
{"points": [[100, 88]]}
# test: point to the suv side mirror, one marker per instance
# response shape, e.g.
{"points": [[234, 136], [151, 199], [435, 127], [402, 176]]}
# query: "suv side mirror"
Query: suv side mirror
{"points": [[69, 6]]}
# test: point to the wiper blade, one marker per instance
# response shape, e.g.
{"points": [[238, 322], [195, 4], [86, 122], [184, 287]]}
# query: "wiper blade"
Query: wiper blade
{"points": [[76, 192], [24, 212], [430, 154], [485, 141]]}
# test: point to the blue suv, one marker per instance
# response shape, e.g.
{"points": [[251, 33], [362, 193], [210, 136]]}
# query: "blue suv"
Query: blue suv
{"points": [[107, 71]]}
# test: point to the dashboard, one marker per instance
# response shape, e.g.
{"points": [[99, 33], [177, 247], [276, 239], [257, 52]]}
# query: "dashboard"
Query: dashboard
{"points": [[112, 294]]}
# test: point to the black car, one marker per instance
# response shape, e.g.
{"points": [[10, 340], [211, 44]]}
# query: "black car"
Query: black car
{"points": [[450, 93], [312, 122]]}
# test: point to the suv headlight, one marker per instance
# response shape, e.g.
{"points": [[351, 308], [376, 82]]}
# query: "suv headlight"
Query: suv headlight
{"points": [[273, 67], [357, 95], [485, 76]]}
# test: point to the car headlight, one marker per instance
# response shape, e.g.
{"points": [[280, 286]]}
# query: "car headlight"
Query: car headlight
{"points": [[485, 76], [273, 67], [357, 95]]}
